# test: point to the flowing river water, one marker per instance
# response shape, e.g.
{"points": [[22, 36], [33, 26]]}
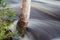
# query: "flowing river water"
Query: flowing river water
{"points": [[44, 23]]}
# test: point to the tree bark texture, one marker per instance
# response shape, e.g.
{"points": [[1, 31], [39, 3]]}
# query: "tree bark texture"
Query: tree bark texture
{"points": [[24, 17]]}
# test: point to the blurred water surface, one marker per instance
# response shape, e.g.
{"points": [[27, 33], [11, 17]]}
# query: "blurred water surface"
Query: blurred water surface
{"points": [[44, 17]]}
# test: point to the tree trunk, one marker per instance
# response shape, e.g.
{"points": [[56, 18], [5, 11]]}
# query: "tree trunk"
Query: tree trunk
{"points": [[24, 17]]}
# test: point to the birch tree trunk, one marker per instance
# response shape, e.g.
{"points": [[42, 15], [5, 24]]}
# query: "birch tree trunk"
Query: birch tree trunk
{"points": [[24, 17]]}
